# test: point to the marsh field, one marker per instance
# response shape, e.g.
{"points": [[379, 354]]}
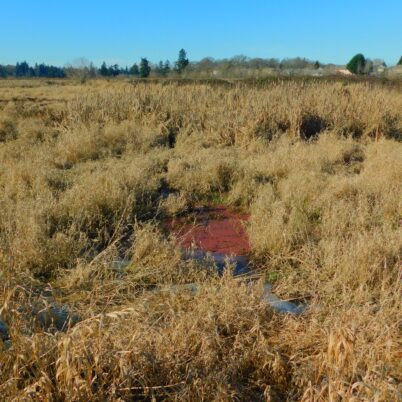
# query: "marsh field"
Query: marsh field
{"points": [[89, 174]]}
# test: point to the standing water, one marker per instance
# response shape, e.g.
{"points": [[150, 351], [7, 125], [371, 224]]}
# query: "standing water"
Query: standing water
{"points": [[220, 234], [216, 232]]}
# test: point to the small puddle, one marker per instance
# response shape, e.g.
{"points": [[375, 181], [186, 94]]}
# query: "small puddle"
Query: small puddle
{"points": [[239, 263], [214, 233], [219, 234], [214, 230], [50, 316]]}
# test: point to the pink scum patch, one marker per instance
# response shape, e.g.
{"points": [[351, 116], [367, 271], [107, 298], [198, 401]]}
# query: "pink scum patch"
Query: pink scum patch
{"points": [[214, 229]]}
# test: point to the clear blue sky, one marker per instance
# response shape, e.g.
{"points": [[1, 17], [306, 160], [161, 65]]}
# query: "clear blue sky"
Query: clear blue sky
{"points": [[122, 31]]}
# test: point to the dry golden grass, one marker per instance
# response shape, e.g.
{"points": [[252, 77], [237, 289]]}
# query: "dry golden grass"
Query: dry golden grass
{"points": [[82, 171]]}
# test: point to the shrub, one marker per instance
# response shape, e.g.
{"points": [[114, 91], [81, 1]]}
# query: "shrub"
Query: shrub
{"points": [[357, 64]]}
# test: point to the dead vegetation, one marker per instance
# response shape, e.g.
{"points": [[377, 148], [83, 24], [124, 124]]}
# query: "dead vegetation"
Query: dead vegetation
{"points": [[82, 178]]}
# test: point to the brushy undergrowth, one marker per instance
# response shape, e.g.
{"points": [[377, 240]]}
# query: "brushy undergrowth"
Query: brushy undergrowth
{"points": [[89, 172]]}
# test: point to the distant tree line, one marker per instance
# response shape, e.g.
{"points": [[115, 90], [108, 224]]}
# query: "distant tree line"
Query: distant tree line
{"points": [[25, 70], [238, 66], [143, 69]]}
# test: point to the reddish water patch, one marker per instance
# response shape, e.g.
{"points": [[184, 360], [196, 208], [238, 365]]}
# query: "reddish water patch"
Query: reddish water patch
{"points": [[214, 229]]}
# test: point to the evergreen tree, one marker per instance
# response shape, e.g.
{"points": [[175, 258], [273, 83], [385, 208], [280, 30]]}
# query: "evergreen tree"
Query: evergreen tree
{"points": [[145, 68], [182, 62], [22, 69], [104, 71], [317, 65], [159, 69], [162, 68], [3, 72], [166, 67], [400, 62], [134, 70], [42, 70], [113, 71], [357, 64]]}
